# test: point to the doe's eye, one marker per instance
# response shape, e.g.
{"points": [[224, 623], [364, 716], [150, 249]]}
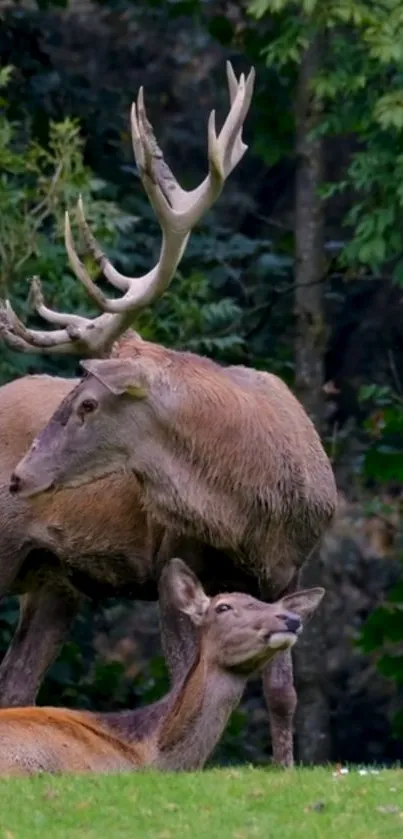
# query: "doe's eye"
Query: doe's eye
{"points": [[223, 607]]}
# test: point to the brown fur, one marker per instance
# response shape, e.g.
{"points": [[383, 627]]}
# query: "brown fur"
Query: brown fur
{"points": [[228, 453], [184, 726], [261, 546], [250, 514], [59, 740], [70, 522], [61, 546]]}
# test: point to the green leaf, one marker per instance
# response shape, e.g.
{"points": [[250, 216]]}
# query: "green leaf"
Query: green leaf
{"points": [[396, 595], [384, 464], [309, 6], [388, 110], [398, 273], [391, 666], [258, 8], [5, 75]]}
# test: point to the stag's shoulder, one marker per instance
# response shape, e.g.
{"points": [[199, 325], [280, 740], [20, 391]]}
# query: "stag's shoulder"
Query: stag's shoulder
{"points": [[255, 380], [269, 389], [236, 390]]}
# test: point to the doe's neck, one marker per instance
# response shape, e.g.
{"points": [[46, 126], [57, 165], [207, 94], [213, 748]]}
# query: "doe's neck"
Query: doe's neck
{"points": [[198, 712], [187, 723]]}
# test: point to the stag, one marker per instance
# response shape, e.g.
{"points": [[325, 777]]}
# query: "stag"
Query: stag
{"points": [[223, 640], [93, 543], [247, 528]]}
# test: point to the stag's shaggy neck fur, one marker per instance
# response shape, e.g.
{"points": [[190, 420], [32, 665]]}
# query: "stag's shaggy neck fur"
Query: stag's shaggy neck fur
{"points": [[229, 452]]}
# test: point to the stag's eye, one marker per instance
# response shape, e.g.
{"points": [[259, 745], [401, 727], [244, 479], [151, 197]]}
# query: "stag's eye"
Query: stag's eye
{"points": [[223, 607], [88, 406]]}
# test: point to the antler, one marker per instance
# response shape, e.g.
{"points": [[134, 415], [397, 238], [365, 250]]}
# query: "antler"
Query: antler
{"points": [[177, 210]]}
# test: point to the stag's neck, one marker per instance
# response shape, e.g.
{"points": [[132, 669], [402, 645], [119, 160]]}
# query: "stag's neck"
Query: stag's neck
{"points": [[188, 722], [122, 345], [185, 458]]}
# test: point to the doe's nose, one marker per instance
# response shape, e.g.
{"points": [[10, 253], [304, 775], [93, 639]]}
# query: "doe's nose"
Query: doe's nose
{"points": [[15, 483], [293, 623]]}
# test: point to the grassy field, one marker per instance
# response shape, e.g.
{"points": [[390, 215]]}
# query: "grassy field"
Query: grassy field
{"points": [[234, 803]]}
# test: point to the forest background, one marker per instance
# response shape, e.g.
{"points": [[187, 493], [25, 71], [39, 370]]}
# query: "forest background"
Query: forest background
{"points": [[298, 270]]}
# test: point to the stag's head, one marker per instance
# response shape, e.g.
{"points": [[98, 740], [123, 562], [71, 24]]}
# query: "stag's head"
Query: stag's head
{"points": [[238, 632], [93, 432], [55, 455]]}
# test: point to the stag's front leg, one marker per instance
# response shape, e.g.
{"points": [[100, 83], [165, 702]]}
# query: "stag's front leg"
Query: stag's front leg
{"points": [[281, 700], [279, 691], [46, 616]]}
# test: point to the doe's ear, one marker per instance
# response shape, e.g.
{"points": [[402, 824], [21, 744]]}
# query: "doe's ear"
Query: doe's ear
{"points": [[185, 591], [119, 376], [304, 602]]}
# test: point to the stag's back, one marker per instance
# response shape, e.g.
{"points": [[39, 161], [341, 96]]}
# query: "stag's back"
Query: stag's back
{"points": [[293, 450], [267, 445], [291, 472]]}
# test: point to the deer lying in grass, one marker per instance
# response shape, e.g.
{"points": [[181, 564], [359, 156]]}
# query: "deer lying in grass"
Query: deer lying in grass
{"points": [[224, 640], [230, 473]]}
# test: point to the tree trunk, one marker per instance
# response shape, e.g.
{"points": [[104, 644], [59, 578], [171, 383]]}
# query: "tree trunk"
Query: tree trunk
{"points": [[313, 741]]}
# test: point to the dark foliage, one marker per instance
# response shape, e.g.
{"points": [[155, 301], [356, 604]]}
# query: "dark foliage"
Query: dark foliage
{"points": [[234, 296]]}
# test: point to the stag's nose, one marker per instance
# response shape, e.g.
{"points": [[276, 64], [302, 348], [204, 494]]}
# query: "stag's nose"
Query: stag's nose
{"points": [[15, 483], [293, 622]]}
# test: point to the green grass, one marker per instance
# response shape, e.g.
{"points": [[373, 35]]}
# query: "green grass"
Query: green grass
{"points": [[234, 803]]}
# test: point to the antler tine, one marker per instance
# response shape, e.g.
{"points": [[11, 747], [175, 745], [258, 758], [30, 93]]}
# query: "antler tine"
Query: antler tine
{"points": [[232, 147], [116, 279], [80, 334], [163, 190], [19, 337], [157, 180], [229, 145], [78, 268], [37, 302], [177, 211], [7, 333], [232, 81]]}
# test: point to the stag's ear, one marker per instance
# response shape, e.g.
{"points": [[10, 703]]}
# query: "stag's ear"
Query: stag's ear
{"points": [[119, 376], [185, 590], [303, 603]]}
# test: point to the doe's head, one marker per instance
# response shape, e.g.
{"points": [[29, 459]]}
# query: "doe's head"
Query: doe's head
{"points": [[237, 631]]}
